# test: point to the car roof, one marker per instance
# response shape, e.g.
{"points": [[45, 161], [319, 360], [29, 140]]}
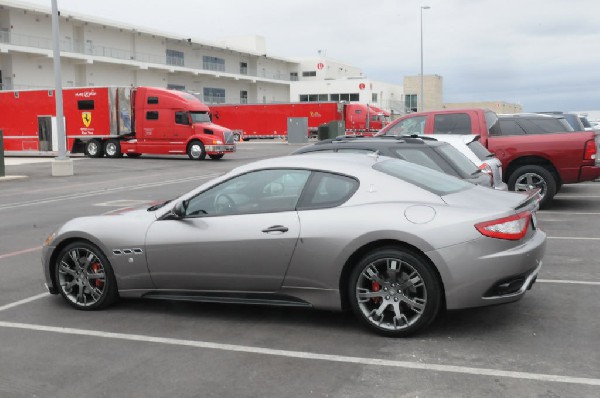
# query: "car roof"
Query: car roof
{"points": [[368, 142]]}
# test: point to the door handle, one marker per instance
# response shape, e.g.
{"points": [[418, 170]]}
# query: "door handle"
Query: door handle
{"points": [[276, 228]]}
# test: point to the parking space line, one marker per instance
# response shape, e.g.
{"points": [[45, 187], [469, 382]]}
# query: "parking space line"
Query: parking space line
{"points": [[542, 212], [20, 252], [24, 301], [576, 196], [569, 282], [307, 355], [572, 237]]}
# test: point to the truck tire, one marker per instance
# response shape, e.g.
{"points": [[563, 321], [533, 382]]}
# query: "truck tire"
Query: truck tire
{"points": [[216, 157], [532, 176], [94, 149], [133, 154], [112, 149], [196, 151]]}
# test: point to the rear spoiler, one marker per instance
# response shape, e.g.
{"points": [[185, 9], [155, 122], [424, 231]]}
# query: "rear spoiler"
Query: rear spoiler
{"points": [[532, 201]]}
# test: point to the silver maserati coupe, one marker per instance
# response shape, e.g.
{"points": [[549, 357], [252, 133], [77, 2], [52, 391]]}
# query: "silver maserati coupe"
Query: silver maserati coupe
{"points": [[391, 240]]}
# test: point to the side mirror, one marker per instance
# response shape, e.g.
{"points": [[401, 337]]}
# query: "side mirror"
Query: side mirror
{"points": [[179, 209]]}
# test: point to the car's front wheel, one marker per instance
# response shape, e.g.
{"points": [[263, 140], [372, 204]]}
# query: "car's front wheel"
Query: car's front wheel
{"points": [[394, 292], [85, 277]]}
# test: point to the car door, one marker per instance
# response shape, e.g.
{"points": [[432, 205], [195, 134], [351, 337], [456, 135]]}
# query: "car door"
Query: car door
{"points": [[237, 236]]}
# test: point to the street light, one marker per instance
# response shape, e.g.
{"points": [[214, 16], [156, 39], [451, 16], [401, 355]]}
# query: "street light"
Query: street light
{"points": [[422, 8]]}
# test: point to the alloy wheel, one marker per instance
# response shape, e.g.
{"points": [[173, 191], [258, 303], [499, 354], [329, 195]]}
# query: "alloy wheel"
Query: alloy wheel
{"points": [[81, 276]]}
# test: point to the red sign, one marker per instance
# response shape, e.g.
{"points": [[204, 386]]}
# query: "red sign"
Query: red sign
{"points": [[320, 65], [361, 86]]}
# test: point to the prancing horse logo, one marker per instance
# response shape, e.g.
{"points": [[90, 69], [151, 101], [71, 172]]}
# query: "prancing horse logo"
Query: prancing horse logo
{"points": [[87, 118]]}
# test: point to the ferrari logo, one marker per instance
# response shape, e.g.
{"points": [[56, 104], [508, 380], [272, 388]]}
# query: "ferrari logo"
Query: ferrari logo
{"points": [[87, 118]]}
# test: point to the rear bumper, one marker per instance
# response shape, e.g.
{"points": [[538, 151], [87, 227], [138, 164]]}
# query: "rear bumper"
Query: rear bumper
{"points": [[588, 173], [481, 277], [220, 148]]}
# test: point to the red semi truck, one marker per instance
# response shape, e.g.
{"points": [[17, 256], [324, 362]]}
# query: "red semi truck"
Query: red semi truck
{"points": [[113, 121], [270, 120]]}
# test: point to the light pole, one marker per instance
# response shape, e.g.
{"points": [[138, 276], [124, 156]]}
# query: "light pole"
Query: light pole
{"points": [[421, 99]]}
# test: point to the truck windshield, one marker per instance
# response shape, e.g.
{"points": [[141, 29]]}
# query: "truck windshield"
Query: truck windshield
{"points": [[200, 117]]}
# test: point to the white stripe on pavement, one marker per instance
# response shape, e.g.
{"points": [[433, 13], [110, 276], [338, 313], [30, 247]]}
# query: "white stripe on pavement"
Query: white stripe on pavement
{"points": [[568, 282], [572, 237], [24, 301], [308, 355]]}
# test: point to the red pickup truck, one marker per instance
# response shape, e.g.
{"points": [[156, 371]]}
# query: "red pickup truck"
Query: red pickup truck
{"points": [[536, 150]]}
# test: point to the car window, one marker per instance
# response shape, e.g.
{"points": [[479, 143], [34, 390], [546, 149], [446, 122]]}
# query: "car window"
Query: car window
{"points": [[585, 122], [425, 178], [458, 160], [574, 121], [263, 191], [543, 126], [411, 125], [419, 156], [491, 122], [328, 190], [510, 127], [454, 123], [479, 150]]}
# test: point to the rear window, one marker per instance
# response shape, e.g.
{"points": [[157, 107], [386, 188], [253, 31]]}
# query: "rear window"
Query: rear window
{"points": [[458, 160], [479, 150], [430, 180], [543, 126], [454, 123], [419, 157]]}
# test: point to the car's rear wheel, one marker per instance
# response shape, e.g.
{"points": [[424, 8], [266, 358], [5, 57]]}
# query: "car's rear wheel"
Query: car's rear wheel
{"points": [[85, 277], [394, 292], [196, 151], [530, 177]]}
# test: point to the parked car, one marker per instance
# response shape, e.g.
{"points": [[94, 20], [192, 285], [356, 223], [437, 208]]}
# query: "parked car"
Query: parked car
{"points": [[470, 146], [392, 240], [535, 150], [572, 118], [424, 151]]}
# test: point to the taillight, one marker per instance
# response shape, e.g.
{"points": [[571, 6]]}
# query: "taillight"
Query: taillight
{"points": [[485, 168], [590, 150], [511, 228]]}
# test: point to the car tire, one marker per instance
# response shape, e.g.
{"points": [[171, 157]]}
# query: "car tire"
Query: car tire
{"points": [[112, 149], [133, 154], [195, 150], [533, 176], [216, 157], [398, 302], [94, 149], [84, 277]]}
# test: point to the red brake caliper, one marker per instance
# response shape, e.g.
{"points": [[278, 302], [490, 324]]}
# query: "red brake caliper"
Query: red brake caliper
{"points": [[376, 287], [96, 267]]}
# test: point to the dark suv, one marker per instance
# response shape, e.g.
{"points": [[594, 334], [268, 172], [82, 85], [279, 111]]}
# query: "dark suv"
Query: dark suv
{"points": [[427, 152]]}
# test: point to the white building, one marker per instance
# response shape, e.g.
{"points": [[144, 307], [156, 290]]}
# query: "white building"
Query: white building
{"points": [[97, 52]]}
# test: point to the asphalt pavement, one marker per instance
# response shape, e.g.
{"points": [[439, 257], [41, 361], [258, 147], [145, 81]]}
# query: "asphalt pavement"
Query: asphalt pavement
{"points": [[545, 345]]}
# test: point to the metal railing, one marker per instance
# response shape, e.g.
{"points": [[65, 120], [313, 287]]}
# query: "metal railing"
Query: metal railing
{"points": [[87, 48]]}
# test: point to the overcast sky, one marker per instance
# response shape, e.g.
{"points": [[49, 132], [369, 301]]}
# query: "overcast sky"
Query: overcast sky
{"points": [[542, 54]]}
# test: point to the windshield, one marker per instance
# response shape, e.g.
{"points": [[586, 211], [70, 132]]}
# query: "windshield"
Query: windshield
{"points": [[200, 117]]}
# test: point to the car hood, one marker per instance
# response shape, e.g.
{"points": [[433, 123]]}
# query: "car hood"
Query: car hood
{"points": [[485, 198]]}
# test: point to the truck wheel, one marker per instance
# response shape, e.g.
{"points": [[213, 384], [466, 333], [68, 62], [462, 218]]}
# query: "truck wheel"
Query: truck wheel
{"points": [[112, 149], [196, 151], [529, 177], [216, 157], [133, 154], [93, 149]]}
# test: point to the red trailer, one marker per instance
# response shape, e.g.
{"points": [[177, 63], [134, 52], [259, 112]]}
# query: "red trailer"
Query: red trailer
{"points": [[270, 120], [113, 121]]}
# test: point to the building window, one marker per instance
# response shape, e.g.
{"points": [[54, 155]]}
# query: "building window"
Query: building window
{"points": [[243, 97], [177, 87], [410, 102], [374, 97], [213, 63], [354, 97], [294, 76], [243, 68], [334, 97], [309, 73], [152, 115], [175, 57], [303, 98], [214, 95]]}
